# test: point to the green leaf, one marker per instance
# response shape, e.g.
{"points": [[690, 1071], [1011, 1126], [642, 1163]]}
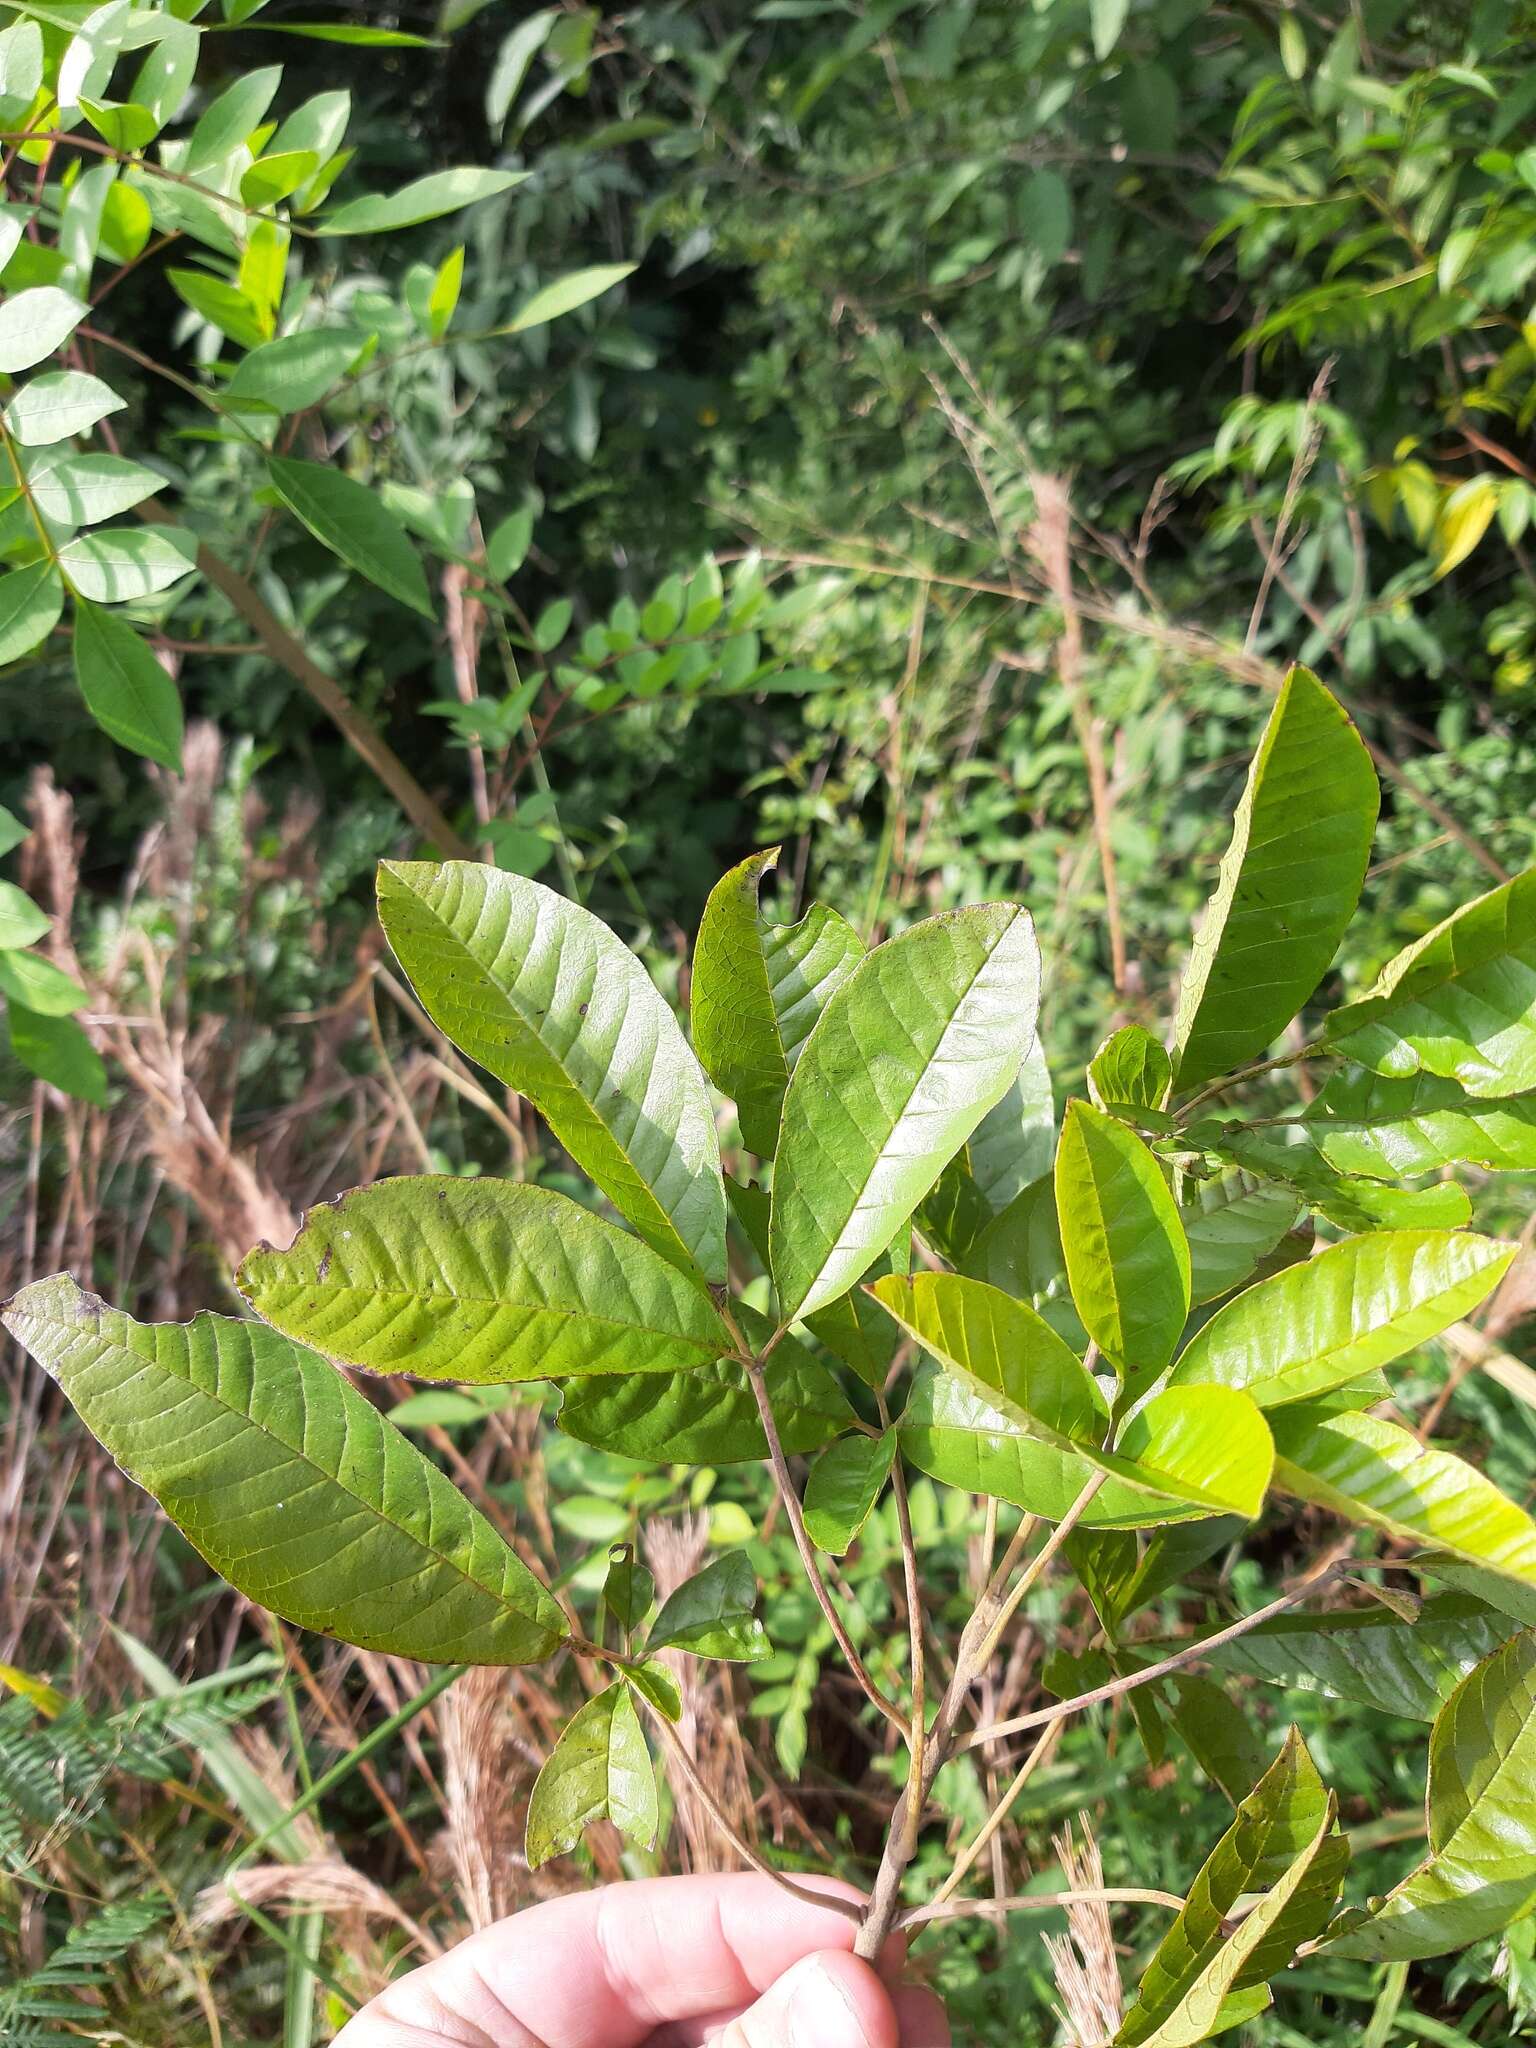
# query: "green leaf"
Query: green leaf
{"points": [[82, 490], [22, 923], [1283, 1841], [479, 1281], [1289, 884], [1004, 1352], [1130, 1068], [1232, 1222], [57, 1051], [758, 989], [35, 983], [126, 690], [1353, 1203], [227, 120], [566, 294], [843, 1486], [600, 1769], [1015, 1141], [551, 1002], [1106, 20], [1126, 1253], [1460, 1002], [360, 37], [297, 370], [1353, 1308], [657, 1684], [1219, 1736], [443, 298], [1479, 1875], [31, 601], [12, 830], [222, 305], [857, 1330], [58, 404], [346, 517], [289, 1482], [1367, 1124], [907, 1057], [1196, 1453], [1372, 1471], [1020, 1251], [123, 563], [34, 323], [628, 1589], [1372, 1657], [707, 1416], [711, 1614], [507, 548], [273, 178], [378, 213]]}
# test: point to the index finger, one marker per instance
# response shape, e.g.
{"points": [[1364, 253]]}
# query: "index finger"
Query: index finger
{"points": [[603, 1969]]}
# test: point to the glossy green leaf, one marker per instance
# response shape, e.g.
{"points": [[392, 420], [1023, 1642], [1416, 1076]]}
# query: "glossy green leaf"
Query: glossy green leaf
{"points": [[654, 1682], [297, 370], [122, 563], [1020, 1251], [1371, 1656], [1289, 884], [126, 690], [1365, 1123], [757, 990], [57, 405], [1480, 1873], [1460, 1002], [1197, 1451], [35, 983], [565, 294], [1351, 1309], [1005, 1352], [440, 192], [289, 1482], [600, 1769], [355, 33], [227, 120], [707, 1416], [22, 922], [1130, 1068], [711, 1614], [346, 517], [629, 1589], [551, 1002], [1373, 1471], [907, 1057], [31, 601], [223, 305], [274, 178], [81, 490], [843, 1486], [1232, 1221], [479, 1281], [447, 283], [34, 323], [1284, 1843], [1126, 1253], [57, 1050]]}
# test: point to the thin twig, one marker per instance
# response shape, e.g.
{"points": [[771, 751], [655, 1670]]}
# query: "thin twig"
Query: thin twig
{"points": [[1036, 1902]]}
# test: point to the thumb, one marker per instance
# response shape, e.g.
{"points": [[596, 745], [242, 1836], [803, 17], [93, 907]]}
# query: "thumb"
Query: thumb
{"points": [[826, 2001]]}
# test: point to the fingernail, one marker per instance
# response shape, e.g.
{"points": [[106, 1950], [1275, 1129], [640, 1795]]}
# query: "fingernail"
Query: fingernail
{"points": [[821, 2013]]}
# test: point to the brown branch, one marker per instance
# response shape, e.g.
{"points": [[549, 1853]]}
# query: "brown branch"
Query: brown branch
{"points": [[1037, 1902]]}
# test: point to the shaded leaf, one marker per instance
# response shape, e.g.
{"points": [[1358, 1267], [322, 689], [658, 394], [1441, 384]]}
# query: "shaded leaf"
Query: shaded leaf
{"points": [[542, 994], [22, 922], [909, 1054], [57, 1051], [346, 517], [1130, 1068], [757, 990], [289, 1482], [122, 563], [126, 690], [628, 1589], [1219, 1736], [844, 1484], [82, 489], [711, 1614], [1232, 1221], [1020, 1251], [1289, 884], [600, 1769]]}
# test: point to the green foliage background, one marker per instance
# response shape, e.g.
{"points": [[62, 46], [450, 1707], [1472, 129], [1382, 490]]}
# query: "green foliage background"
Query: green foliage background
{"points": [[1001, 397]]}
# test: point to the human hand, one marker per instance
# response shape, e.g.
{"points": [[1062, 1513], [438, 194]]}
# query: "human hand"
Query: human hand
{"points": [[670, 1962]]}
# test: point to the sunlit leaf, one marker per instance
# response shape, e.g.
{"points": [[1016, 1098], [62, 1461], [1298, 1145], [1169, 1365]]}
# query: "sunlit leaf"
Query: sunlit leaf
{"points": [[58, 1051], [31, 602], [1130, 1068], [566, 294], [440, 192], [34, 323], [122, 562], [600, 1769], [1368, 1124], [58, 404], [22, 923]]}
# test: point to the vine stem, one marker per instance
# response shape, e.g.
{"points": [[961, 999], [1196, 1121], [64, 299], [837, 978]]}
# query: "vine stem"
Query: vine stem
{"points": [[791, 1499], [1035, 1902]]}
